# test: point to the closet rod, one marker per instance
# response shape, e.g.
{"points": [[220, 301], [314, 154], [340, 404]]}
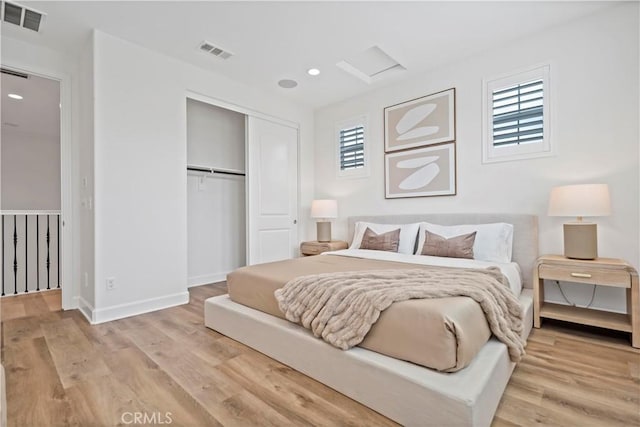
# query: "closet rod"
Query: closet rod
{"points": [[215, 170]]}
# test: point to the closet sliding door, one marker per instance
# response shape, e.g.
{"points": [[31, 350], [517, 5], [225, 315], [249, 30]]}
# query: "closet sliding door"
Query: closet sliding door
{"points": [[272, 202]]}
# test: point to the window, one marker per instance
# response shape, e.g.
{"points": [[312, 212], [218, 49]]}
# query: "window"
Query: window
{"points": [[352, 148], [352, 153], [516, 116]]}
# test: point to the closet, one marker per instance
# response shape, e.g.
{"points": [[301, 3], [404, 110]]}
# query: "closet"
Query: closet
{"points": [[216, 192], [242, 190]]}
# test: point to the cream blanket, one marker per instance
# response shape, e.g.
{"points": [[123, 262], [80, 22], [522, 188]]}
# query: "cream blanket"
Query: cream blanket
{"points": [[342, 307]]}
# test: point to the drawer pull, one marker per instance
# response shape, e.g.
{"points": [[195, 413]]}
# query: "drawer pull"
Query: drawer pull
{"points": [[581, 275]]}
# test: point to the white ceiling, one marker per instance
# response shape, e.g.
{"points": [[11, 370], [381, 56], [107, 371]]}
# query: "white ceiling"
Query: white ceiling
{"points": [[38, 111], [281, 40]]}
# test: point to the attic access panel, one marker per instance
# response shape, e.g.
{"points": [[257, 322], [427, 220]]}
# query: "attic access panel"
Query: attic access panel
{"points": [[371, 65]]}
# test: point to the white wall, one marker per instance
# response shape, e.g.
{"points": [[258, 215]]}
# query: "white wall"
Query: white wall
{"points": [[216, 239], [30, 170], [215, 136], [85, 254], [216, 227], [140, 162], [594, 104]]}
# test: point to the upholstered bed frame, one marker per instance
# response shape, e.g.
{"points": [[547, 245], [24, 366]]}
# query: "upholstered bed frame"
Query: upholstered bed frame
{"points": [[525, 232], [407, 393]]}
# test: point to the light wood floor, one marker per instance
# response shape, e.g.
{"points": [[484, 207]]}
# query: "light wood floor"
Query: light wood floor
{"points": [[62, 371], [31, 304]]}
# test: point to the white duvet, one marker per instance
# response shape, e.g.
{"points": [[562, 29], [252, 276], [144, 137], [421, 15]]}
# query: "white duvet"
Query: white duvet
{"points": [[511, 270]]}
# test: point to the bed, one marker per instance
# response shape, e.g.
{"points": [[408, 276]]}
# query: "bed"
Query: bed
{"points": [[387, 378]]}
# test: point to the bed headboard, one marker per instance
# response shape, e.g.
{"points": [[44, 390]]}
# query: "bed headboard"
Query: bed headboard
{"points": [[525, 232]]}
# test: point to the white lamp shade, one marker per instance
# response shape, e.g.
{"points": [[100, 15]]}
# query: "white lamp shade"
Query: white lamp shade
{"points": [[580, 200], [324, 209]]}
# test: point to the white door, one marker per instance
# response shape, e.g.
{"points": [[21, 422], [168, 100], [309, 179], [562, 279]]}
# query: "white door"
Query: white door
{"points": [[272, 191]]}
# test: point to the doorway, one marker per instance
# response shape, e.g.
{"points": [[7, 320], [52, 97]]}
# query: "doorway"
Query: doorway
{"points": [[31, 185]]}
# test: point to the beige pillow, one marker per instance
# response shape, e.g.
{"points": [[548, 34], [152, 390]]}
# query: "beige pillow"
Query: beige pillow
{"points": [[388, 241], [455, 247]]}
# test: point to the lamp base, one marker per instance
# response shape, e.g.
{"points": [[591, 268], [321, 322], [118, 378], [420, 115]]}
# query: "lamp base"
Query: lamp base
{"points": [[323, 229], [581, 240]]}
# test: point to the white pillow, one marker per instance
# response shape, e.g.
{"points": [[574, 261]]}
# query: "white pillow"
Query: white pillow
{"points": [[494, 242], [408, 234]]}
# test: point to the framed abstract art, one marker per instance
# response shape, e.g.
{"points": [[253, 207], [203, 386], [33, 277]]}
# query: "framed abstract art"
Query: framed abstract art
{"points": [[420, 122], [428, 171]]}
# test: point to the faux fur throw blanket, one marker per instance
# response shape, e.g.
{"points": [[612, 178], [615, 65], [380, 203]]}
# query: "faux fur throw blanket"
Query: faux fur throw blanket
{"points": [[341, 307]]}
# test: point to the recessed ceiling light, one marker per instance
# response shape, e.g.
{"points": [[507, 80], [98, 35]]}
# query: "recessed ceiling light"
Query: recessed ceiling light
{"points": [[287, 84], [15, 96], [313, 71]]}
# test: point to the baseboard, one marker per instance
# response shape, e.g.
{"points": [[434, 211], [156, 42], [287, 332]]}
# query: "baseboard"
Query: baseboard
{"points": [[207, 279], [86, 309], [107, 314]]}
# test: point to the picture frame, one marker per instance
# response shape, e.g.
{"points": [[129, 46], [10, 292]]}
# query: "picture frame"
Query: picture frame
{"points": [[421, 172], [428, 120]]}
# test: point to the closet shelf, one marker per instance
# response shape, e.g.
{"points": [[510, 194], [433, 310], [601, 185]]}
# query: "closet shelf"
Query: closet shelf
{"points": [[210, 170]]}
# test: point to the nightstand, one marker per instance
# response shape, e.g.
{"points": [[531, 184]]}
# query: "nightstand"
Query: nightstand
{"points": [[601, 272], [315, 247]]}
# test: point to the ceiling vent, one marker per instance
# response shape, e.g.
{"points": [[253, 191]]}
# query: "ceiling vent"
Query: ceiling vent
{"points": [[14, 73], [371, 65], [205, 46], [21, 16]]}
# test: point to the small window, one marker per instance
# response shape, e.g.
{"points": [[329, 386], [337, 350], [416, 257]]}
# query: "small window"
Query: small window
{"points": [[516, 116], [352, 148], [352, 153]]}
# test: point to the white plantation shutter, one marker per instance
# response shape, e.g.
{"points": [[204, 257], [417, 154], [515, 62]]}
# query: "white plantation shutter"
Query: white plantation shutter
{"points": [[352, 148], [518, 116]]}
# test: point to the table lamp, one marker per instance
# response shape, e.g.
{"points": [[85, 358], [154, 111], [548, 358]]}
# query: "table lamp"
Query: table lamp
{"points": [[324, 210], [580, 237]]}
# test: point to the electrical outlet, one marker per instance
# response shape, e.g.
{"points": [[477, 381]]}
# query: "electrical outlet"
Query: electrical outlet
{"points": [[111, 283], [86, 279]]}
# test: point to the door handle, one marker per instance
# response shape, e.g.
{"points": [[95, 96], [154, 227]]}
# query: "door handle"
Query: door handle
{"points": [[295, 221]]}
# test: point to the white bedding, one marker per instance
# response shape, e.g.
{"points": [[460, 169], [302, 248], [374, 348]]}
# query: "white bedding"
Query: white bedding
{"points": [[511, 270]]}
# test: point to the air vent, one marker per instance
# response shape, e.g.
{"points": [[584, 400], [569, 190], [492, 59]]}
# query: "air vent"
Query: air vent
{"points": [[19, 15], [205, 46], [14, 73]]}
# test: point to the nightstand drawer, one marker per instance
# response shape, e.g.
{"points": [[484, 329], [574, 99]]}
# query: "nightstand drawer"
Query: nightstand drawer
{"points": [[594, 276], [315, 247]]}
